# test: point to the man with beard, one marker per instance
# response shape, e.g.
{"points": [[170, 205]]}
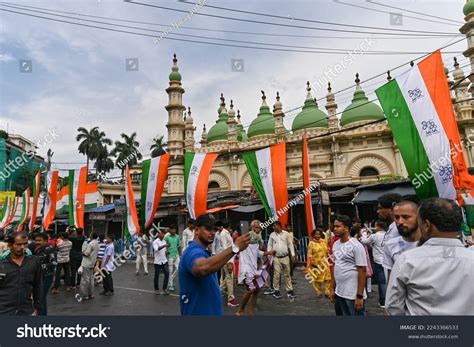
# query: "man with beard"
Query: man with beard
{"points": [[385, 204], [200, 294], [406, 217], [436, 278]]}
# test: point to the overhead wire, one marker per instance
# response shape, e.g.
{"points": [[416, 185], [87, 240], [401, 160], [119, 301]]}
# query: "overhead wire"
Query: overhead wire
{"points": [[381, 11], [415, 12], [319, 50], [433, 36], [281, 24]]}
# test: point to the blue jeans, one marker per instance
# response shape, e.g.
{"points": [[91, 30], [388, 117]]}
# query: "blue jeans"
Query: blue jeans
{"points": [[381, 282], [166, 271], [345, 307], [47, 282]]}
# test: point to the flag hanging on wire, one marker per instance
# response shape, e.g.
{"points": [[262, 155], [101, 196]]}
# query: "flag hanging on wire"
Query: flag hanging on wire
{"points": [[197, 167], [77, 191], [310, 224], [154, 173], [51, 198], [25, 209], [7, 208], [13, 211], [419, 111], [132, 226], [267, 168]]}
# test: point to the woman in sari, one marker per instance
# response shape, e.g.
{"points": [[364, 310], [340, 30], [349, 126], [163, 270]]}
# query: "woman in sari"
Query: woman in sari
{"points": [[318, 268]]}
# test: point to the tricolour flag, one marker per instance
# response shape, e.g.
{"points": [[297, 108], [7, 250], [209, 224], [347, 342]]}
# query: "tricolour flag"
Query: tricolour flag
{"points": [[91, 199], [154, 173], [197, 167], [35, 195], [414, 113], [131, 227], [51, 198], [310, 225], [25, 209], [267, 168], [13, 212], [77, 191], [7, 208]]}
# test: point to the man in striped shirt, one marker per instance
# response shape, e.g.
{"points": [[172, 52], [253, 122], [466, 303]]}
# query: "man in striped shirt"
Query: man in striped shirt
{"points": [[64, 247]]}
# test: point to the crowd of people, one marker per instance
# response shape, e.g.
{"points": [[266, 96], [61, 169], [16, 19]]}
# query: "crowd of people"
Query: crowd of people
{"points": [[33, 265], [412, 253]]}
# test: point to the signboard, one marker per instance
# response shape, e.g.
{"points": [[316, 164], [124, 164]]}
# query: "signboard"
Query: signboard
{"points": [[4, 195], [325, 197]]}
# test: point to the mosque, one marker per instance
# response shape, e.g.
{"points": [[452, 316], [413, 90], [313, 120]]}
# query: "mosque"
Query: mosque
{"points": [[353, 149]]}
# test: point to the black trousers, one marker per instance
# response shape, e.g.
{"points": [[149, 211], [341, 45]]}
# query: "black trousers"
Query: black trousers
{"points": [[166, 270], [67, 275], [108, 282], [75, 265]]}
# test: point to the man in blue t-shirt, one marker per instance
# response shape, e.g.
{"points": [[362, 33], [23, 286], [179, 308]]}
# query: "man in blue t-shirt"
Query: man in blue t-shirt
{"points": [[199, 290]]}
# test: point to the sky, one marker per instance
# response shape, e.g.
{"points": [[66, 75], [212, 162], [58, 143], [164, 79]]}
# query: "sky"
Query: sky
{"points": [[79, 78]]}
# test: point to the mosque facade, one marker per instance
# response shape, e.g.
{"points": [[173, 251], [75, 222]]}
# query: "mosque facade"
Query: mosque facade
{"points": [[352, 149], [355, 148]]}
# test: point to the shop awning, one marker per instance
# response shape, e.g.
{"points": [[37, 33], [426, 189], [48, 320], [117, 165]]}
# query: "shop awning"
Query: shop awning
{"points": [[248, 208], [217, 209], [369, 196]]}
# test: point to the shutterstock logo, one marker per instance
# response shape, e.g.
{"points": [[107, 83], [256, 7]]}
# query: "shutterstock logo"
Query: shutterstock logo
{"points": [[48, 331]]}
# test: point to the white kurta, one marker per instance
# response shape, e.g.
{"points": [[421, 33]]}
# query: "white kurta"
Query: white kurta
{"points": [[248, 261]]}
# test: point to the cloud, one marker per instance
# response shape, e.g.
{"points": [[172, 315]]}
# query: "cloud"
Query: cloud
{"points": [[79, 76]]}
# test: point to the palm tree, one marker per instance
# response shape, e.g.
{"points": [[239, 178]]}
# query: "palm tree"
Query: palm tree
{"points": [[104, 163], [92, 142], [127, 151], [158, 147]]}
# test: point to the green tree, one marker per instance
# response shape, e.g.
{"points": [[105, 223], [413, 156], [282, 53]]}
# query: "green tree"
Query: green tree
{"points": [[3, 134], [127, 151], [158, 147], [91, 142], [25, 179], [104, 163]]}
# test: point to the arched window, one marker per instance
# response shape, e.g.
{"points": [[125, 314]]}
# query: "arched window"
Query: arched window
{"points": [[368, 171], [213, 185]]}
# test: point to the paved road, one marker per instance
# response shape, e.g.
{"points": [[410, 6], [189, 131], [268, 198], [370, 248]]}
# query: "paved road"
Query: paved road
{"points": [[134, 295]]}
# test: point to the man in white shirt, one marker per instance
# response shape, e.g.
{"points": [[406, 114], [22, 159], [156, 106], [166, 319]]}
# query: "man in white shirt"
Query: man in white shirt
{"points": [[281, 244], [161, 263], [141, 252], [406, 217], [188, 234], [227, 279], [349, 272], [375, 241], [385, 205], [216, 244], [436, 278]]}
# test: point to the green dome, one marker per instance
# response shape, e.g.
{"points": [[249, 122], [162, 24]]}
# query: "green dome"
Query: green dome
{"points": [[175, 75], [220, 129], [311, 116], [264, 124], [468, 7], [360, 109]]}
